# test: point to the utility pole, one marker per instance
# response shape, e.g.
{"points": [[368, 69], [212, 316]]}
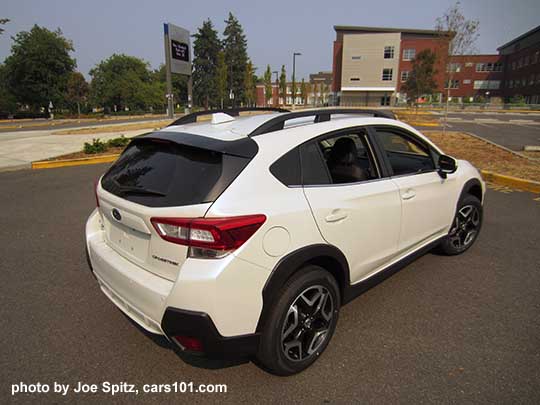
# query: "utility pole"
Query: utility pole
{"points": [[295, 54]]}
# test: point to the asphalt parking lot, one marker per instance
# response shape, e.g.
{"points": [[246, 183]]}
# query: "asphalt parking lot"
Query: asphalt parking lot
{"points": [[513, 131], [442, 330]]}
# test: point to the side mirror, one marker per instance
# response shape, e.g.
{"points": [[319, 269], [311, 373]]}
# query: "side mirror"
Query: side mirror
{"points": [[447, 165]]}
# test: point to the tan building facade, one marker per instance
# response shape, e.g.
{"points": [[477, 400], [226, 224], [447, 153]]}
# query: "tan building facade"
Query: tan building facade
{"points": [[370, 64]]}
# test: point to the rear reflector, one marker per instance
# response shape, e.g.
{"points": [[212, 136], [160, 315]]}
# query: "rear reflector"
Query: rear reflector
{"points": [[189, 343], [209, 237]]}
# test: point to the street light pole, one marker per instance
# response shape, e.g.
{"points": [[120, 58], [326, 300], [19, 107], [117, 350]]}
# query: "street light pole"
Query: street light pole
{"points": [[295, 54]]}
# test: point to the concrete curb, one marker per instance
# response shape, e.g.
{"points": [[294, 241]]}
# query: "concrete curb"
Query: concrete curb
{"points": [[514, 182], [49, 164]]}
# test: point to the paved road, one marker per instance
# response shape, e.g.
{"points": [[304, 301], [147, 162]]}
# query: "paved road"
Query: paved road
{"points": [[443, 330], [43, 124]]}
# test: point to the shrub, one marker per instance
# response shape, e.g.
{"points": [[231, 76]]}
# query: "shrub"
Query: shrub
{"points": [[97, 146], [118, 142]]}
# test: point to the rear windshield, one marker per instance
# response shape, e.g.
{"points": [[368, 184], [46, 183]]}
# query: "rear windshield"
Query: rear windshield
{"points": [[159, 173]]}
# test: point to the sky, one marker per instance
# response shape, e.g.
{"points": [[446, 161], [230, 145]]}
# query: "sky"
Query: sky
{"points": [[274, 29]]}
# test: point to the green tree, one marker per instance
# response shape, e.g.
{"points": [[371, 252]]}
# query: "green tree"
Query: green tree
{"points": [[267, 80], [7, 100], [303, 91], [125, 81], [249, 84], [77, 90], [235, 48], [283, 84], [315, 90], [206, 48], [179, 84], [3, 21], [38, 67], [221, 81], [421, 80]]}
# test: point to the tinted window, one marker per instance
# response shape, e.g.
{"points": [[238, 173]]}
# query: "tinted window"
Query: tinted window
{"points": [[164, 174], [287, 168], [405, 154], [314, 169], [348, 159]]}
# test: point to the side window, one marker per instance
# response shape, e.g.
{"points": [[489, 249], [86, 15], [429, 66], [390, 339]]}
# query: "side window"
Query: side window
{"points": [[348, 158], [405, 154], [287, 168]]}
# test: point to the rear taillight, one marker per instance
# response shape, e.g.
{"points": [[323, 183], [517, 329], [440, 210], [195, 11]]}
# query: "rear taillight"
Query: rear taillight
{"points": [[209, 237]]}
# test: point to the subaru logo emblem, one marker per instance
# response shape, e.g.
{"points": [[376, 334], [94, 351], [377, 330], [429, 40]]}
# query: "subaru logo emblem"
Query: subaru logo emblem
{"points": [[116, 214]]}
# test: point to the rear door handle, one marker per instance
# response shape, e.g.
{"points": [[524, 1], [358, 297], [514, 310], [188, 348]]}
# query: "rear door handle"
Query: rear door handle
{"points": [[407, 195], [336, 215]]}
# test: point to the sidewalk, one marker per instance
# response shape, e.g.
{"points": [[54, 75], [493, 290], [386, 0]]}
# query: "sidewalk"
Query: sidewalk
{"points": [[21, 149]]}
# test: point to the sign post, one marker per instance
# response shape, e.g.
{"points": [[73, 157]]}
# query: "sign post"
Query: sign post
{"points": [[177, 60]]}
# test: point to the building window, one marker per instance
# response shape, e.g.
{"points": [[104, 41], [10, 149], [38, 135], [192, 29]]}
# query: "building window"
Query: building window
{"points": [[487, 84], [405, 76], [385, 100], [531, 80], [526, 61], [536, 56], [489, 67], [510, 84], [538, 78], [468, 64], [387, 75], [388, 52], [454, 67], [454, 84], [520, 63], [467, 81], [409, 54], [514, 65]]}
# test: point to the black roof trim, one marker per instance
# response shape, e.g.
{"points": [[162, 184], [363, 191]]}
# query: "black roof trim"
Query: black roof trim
{"points": [[234, 112], [519, 38], [321, 115], [243, 147], [390, 29]]}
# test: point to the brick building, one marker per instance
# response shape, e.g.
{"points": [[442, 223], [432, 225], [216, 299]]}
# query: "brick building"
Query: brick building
{"points": [[371, 64], [319, 91], [522, 67], [477, 77]]}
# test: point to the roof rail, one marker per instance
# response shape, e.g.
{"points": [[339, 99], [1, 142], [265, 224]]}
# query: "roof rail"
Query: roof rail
{"points": [[321, 115], [234, 112]]}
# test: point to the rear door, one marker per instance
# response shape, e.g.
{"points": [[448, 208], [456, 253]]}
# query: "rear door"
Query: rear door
{"points": [[157, 178], [427, 209], [355, 207]]}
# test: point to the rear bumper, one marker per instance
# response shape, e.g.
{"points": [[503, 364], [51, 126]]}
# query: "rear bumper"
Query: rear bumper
{"points": [[199, 325], [205, 302]]}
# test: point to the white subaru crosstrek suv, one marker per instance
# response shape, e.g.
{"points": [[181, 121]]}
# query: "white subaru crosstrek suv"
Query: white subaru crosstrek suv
{"points": [[243, 236]]}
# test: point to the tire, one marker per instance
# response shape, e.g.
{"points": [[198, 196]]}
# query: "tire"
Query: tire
{"points": [[465, 227], [279, 351]]}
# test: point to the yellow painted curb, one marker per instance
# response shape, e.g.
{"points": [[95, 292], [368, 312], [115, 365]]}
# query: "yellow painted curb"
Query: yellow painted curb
{"points": [[49, 164], [514, 182]]}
